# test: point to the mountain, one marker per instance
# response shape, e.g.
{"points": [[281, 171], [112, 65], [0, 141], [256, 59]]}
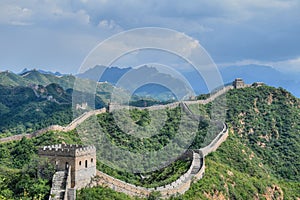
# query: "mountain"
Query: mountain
{"points": [[25, 109], [12, 79], [25, 70], [259, 160], [144, 81], [109, 74], [35, 77], [33, 100], [250, 73]]}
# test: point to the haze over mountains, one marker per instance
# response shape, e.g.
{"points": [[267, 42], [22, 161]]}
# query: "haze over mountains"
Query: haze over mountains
{"points": [[250, 73]]}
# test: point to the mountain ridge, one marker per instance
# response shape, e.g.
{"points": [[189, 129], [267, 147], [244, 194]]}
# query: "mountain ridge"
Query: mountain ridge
{"points": [[250, 73], [243, 167]]}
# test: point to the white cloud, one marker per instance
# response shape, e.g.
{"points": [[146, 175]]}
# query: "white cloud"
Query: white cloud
{"points": [[41, 12], [110, 25], [15, 15], [292, 65]]}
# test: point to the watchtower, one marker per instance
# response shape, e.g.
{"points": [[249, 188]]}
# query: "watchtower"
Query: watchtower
{"points": [[238, 83], [82, 160]]}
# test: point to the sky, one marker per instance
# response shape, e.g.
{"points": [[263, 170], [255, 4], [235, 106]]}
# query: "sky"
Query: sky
{"points": [[57, 35]]}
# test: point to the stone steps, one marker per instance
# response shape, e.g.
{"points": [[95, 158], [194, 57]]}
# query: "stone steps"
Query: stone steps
{"points": [[58, 186]]}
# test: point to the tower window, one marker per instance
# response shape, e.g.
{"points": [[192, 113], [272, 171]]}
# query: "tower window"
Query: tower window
{"points": [[80, 163], [85, 163], [92, 160]]}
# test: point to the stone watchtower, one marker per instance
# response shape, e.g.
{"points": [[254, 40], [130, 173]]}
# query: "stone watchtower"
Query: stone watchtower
{"points": [[81, 159], [238, 83]]}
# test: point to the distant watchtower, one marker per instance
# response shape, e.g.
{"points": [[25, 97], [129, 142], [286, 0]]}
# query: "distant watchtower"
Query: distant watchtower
{"points": [[82, 160], [238, 83]]}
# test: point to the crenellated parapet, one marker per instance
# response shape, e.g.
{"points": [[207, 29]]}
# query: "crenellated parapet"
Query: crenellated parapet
{"points": [[88, 150], [79, 158], [67, 150]]}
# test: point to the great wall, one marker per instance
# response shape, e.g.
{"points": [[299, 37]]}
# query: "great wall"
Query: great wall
{"points": [[212, 97], [67, 128], [180, 186]]}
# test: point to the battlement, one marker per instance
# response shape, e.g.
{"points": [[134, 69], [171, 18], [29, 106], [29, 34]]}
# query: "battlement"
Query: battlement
{"points": [[67, 150]]}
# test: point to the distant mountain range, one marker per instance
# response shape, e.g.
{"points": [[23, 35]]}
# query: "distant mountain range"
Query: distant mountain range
{"points": [[250, 74], [144, 81], [25, 70], [35, 77]]}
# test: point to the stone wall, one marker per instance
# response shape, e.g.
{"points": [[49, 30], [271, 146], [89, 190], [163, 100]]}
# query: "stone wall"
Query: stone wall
{"points": [[82, 159], [82, 118], [61, 186], [68, 184], [15, 138], [67, 128], [213, 96], [221, 137], [59, 181], [180, 186], [114, 106]]}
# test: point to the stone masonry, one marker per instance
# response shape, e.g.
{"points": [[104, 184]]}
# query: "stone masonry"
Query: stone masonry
{"points": [[238, 83], [82, 160]]}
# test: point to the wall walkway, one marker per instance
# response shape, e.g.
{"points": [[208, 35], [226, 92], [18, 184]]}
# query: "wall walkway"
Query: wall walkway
{"points": [[180, 186]]}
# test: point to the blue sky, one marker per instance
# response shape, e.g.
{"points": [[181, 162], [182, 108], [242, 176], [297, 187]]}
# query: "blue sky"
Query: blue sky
{"points": [[57, 35]]}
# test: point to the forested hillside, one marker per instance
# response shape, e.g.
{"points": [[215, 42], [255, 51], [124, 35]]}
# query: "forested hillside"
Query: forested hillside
{"points": [[259, 160], [268, 122], [35, 77], [33, 100], [23, 175], [24, 109]]}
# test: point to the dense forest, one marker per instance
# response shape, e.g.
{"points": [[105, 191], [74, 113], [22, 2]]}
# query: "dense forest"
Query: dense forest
{"points": [[259, 160], [24, 110]]}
